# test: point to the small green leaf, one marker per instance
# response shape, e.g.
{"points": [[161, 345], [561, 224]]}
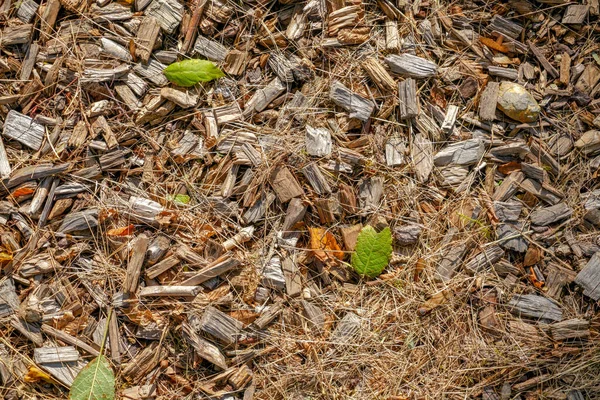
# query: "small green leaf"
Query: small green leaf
{"points": [[182, 198], [94, 382], [189, 72], [372, 252]]}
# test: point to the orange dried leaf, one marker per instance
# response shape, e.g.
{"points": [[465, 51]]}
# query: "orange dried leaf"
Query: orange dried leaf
{"points": [[534, 280], [324, 245], [22, 192], [492, 44], [124, 231]]}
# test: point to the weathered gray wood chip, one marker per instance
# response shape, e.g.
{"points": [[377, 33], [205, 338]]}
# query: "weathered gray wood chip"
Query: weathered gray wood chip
{"points": [[537, 307]]}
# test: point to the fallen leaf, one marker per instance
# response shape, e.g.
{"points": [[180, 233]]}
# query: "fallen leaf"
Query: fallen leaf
{"points": [[4, 256], [509, 167], [532, 257], [438, 97], [34, 374], [323, 244], [434, 301], [419, 267], [534, 279], [124, 231], [24, 191]]}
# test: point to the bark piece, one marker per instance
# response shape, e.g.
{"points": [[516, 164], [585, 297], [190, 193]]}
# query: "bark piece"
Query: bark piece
{"points": [[575, 14], [144, 361], [139, 246], [45, 355], [293, 277], [536, 307], [218, 267], [80, 221], [543, 60], [467, 152], [23, 129], [347, 329], [411, 66], [204, 348], [505, 26], [17, 34], [168, 13], [589, 278], [355, 105], [146, 37], [450, 118], [161, 267], [272, 274], [395, 150], [9, 301], [422, 157], [316, 179], [68, 339], [550, 215], [294, 214], [169, 291], [318, 141], [488, 102], [263, 97], [407, 93], [220, 326], [485, 259], [570, 329], [285, 185], [407, 235], [379, 75], [510, 238], [508, 211], [210, 49], [315, 319]]}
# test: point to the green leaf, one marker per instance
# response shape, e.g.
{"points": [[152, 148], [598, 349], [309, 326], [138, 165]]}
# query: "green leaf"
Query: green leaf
{"points": [[94, 382], [189, 72], [372, 252], [182, 198]]}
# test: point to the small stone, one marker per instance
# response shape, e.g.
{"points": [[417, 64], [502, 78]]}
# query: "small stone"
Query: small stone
{"points": [[517, 103]]}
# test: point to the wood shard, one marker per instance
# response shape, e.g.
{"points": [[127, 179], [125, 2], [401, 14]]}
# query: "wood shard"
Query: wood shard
{"points": [[488, 102], [285, 185], [536, 307], [23, 129], [355, 105], [411, 66], [220, 326], [589, 278]]}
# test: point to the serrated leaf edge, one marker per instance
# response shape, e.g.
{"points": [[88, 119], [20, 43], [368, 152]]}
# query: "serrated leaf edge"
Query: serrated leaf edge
{"points": [[385, 250]]}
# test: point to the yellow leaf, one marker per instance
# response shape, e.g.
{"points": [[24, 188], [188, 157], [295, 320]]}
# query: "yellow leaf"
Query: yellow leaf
{"points": [[5, 257], [34, 374]]}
